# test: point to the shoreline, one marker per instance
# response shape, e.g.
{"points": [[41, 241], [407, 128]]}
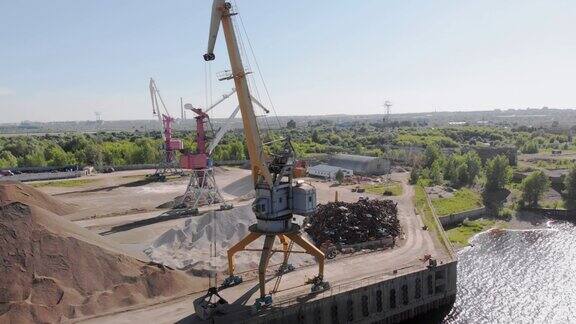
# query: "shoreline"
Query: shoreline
{"points": [[520, 221]]}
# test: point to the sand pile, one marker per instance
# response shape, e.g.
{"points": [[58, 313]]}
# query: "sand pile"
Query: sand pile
{"points": [[242, 188], [53, 270], [13, 191], [189, 248]]}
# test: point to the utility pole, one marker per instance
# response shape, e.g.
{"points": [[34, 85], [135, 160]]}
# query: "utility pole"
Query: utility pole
{"points": [[182, 111], [387, 105]]}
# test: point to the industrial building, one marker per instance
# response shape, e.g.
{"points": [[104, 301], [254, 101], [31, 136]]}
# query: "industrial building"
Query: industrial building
{"points": [[328, 171], [488, 152], [363, 165]]}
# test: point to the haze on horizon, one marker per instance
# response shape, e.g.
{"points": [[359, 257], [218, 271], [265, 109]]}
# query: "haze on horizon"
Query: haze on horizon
{"points": [[64, 59]]}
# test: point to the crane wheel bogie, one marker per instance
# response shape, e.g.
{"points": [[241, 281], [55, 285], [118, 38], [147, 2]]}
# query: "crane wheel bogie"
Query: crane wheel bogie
{"points": [[320, 286], [285, 268], [263, 302], [231, 281]]}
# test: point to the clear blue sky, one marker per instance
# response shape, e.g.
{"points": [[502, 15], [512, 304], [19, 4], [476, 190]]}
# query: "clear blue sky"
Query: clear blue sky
{"points": [[65, 59]]}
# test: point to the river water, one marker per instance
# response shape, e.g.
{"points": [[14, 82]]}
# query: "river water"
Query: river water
{"points": [[518, 276]]}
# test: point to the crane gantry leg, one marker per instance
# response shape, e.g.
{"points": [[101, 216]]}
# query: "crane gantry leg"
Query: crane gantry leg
{"points": [[284, 247], [264, 259], [285, 239], [310, 249], [233, 280]]}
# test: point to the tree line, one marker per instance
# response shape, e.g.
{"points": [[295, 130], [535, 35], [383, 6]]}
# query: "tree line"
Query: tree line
{"points": [[100, 149]]}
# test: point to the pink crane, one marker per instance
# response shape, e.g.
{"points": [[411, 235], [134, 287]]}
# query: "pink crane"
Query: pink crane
{"points": [[168, 165], [202, 189]]}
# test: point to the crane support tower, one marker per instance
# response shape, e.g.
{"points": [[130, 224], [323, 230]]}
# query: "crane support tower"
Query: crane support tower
{"points": [[278, 197], [168, 165], [202, 189]]}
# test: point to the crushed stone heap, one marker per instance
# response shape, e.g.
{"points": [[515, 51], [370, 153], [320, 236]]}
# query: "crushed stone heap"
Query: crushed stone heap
{"points": [[200, 246]]}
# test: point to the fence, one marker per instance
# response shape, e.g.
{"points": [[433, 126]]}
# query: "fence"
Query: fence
{"points": [[44, 176], [559, 214], [126, 167], [440, 228]]}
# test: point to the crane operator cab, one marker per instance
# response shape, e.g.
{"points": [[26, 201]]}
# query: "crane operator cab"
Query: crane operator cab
{"points": [[275, 206]]}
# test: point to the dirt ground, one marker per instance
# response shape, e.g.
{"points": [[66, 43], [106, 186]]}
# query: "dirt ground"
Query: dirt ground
{"points": [[412, 246], [439, 192], [122, 198], [114, 201], [118, 206], [130, 192]]}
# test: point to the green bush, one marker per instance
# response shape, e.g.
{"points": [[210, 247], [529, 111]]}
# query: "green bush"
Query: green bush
{"points": [[534, 187]]}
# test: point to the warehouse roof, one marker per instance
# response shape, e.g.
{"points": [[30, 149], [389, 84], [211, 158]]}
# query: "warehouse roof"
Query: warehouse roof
{"points": [[351, 157], [324, 168], [358, 163]]}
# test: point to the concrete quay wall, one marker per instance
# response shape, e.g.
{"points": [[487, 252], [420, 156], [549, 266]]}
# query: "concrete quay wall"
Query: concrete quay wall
{"points": [[390, 300], [456, 219]]}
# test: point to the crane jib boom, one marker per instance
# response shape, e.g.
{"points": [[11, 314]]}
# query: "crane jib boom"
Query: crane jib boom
{"points": [[251, 131], [219, 101], [222, 131], [277, 196]]}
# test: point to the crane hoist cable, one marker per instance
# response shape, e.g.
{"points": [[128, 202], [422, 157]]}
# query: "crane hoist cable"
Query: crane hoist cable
{"points": [[274, 203], [258, 67], [253, 84]]}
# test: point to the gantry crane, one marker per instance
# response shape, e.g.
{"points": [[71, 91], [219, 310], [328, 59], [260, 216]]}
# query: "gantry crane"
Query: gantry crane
{"points": [[202, 188], [277, 196], [168, 164]]}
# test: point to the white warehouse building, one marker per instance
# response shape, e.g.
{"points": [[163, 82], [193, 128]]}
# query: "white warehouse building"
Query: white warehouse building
{"points": [[327, 171]]}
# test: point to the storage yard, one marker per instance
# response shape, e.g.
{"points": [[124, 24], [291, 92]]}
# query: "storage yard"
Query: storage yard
{"points": [[190, 241], [132, 233]]}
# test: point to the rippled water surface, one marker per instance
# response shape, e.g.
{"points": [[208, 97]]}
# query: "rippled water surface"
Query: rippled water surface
{"points": [[518, 277]]}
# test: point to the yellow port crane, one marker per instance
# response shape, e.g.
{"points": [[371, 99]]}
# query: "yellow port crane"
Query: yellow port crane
{"points": [[277, 196]]}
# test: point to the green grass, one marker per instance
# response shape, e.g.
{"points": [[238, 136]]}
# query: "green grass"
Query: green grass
{"points": [[463, 199], [460, 235], [423, 207], [378, 189], [427, 215], [555, 164], [553, 204], [63, 183]]}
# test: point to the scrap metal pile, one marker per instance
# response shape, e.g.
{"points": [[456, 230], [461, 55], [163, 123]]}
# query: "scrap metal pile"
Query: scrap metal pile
{"points": [[352, 223]]}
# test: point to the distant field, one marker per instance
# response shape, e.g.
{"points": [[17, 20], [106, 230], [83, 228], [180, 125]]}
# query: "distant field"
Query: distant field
{"points": [[394, 188], [63, 183], [463, 200]]}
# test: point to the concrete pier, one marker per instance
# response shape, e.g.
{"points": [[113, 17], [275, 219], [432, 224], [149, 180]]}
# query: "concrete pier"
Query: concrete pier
{"points": [[388, 299]]}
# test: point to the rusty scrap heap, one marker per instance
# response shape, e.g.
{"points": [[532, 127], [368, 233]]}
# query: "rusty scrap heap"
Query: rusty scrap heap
{"points": [[351, 223]]}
